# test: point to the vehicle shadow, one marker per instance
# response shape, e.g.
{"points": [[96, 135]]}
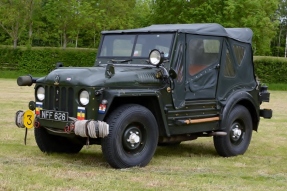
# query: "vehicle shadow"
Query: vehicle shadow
{"points": [[92, 156], [190, 148]]}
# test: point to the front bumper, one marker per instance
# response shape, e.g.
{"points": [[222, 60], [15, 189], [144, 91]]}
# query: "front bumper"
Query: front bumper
{"points": [[83, 128]]}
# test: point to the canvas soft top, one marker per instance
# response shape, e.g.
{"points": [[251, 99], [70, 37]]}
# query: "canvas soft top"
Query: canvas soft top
{"points": [[212, 29]]}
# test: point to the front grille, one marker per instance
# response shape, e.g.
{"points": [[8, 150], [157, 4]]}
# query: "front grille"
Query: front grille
{"points": [[59, 99]]}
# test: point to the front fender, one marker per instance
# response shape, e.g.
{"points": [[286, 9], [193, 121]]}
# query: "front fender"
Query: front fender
{"points": [[118, 97]]}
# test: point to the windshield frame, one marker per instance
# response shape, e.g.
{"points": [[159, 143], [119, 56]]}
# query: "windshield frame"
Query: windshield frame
{"points": [[136, 37]]}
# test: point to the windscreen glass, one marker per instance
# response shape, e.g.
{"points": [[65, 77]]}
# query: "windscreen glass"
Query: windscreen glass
{"points": [[135, 45]]}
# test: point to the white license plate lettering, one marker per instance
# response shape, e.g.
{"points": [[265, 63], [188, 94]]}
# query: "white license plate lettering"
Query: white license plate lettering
{"points": [[60, 116], [42, 114], [54, 115]]}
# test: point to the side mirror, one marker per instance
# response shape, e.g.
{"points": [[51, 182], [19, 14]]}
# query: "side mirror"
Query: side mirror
{"points": [[172, 73]]}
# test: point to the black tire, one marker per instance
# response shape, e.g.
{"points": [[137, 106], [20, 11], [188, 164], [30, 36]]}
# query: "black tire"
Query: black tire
{"points": [[133, 137], [239, 133], [48, 143]]}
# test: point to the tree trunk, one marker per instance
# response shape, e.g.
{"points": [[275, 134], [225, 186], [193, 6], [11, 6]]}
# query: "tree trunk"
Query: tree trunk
{"points": [[65, 40], [61, 40], [95, 39], [286, 45], [279, 43], [77, 38], [30, 34], [15, 40]]}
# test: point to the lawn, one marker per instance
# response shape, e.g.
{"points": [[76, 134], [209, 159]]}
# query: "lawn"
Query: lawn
{"points": [[193, 165]]}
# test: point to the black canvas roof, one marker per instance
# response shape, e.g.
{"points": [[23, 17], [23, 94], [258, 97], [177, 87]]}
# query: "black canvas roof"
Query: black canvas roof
{"points": [[212, 29]]}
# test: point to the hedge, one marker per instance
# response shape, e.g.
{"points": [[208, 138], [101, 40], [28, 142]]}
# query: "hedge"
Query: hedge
{"points": [[271, 69], [43, 60]]}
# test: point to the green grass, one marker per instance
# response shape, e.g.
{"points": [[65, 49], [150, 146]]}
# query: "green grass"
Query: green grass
{"points": [[278, 86], [270, 58], [193, 165]]}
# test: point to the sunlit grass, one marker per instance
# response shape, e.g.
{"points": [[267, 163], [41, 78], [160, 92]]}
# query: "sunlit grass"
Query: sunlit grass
{"points": [[193, 165], [270, 58]]}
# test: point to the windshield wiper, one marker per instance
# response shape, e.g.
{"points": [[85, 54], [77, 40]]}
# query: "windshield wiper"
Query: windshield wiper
{"points": [[120, 61]]}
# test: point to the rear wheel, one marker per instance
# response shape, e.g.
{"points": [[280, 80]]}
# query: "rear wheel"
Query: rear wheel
{"points": [[48, 143], [133, 137], [239, 133]]}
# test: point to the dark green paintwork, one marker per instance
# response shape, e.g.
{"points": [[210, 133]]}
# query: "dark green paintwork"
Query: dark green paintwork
{"points": [[125, 77], [170, 100]]}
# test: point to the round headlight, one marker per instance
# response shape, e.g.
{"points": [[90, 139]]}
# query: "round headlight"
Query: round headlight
{"points": [[155, 57], [84, 97], [40, 93]]}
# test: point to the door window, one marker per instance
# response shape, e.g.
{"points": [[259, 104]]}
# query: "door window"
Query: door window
{"points": [[229, 70], [202, 53], [202, 57], [239, 52]]}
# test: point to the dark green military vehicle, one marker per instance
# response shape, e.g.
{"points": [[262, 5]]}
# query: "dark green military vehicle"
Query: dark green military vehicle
{"points": [[158, 85]]}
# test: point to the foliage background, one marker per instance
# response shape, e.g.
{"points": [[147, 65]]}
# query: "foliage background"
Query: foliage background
{"points": [[43, 60], [271, 69], [77, 23]]}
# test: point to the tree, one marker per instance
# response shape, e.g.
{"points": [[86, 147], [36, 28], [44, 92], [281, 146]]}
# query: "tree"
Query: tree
{"points": [[68, 16], [34, 16], [112, 15], [168, 12], [13, 18], [118, 14], [259, 15], [280, 41], [142, 13], [94, 24], [255, 14]]}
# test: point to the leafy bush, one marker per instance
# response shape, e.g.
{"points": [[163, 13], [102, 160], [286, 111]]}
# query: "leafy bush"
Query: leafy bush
{"points": [[271, 69], [9, 59], [43, 60]]}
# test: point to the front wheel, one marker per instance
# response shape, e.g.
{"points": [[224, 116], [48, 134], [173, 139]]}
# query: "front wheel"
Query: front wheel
{"points": [[133, 137], [239, 133], [49, 143]]}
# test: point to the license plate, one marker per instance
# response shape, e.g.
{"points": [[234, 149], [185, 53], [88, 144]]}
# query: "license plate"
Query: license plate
{"points": [[54, 115]]}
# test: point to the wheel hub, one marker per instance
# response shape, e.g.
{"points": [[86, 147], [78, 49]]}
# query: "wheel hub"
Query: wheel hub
{"points": [[133, 138], [236, 132]]}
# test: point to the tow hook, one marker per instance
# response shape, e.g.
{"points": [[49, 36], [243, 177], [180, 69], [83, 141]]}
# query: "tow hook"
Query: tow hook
{"points": [[69, 127], [36, 124]]}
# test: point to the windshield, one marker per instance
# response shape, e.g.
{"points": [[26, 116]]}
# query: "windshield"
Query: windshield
{"points": [[136, 46]]}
